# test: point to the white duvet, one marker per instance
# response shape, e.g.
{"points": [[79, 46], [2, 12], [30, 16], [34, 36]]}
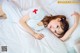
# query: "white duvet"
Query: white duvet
{"points": [[17, 40]]}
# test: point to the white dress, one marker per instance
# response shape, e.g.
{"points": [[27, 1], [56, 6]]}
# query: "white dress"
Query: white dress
{"points": [[18, 40]]}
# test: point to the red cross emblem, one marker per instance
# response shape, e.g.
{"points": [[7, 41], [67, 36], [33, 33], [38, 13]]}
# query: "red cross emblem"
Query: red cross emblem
{"points": [[35, 11]]}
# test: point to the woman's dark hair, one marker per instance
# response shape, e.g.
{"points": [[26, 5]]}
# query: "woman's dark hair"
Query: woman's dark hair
{"points": [[64, 23]]}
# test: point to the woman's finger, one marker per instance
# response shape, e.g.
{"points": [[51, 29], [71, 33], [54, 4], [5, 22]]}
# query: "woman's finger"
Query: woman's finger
{"points": [[42, 35]]}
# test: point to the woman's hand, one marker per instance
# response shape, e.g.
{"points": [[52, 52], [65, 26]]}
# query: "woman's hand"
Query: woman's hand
{"points": [[76, 14], [38, 36]]}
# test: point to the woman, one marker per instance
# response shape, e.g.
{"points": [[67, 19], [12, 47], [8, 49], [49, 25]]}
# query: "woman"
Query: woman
{"points": [[57, 24]]}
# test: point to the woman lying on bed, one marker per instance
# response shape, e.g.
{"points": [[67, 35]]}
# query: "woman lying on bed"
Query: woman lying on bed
{"points": [[36, 19], [59, 25], [34, 23]]}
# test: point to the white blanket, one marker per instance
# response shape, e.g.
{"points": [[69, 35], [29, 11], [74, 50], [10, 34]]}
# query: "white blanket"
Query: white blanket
{"points": [[19, 41]]}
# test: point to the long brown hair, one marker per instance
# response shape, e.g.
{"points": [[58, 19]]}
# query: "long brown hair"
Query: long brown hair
{"points": [[63, 21]]}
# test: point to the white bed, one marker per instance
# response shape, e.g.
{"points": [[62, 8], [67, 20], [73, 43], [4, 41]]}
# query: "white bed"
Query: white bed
{"points": [[19, 42]]}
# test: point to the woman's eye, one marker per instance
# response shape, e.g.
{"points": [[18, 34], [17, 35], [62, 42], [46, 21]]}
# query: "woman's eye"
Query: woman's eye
{"points": [[57, 26], [55, 31], [50, 27]]}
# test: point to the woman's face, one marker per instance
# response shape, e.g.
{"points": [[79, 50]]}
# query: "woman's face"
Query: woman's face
{"points": [[55, 26]]}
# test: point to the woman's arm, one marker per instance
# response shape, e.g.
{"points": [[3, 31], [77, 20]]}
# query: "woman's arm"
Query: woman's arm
{"points": [[71, 30], [22, 21]]}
